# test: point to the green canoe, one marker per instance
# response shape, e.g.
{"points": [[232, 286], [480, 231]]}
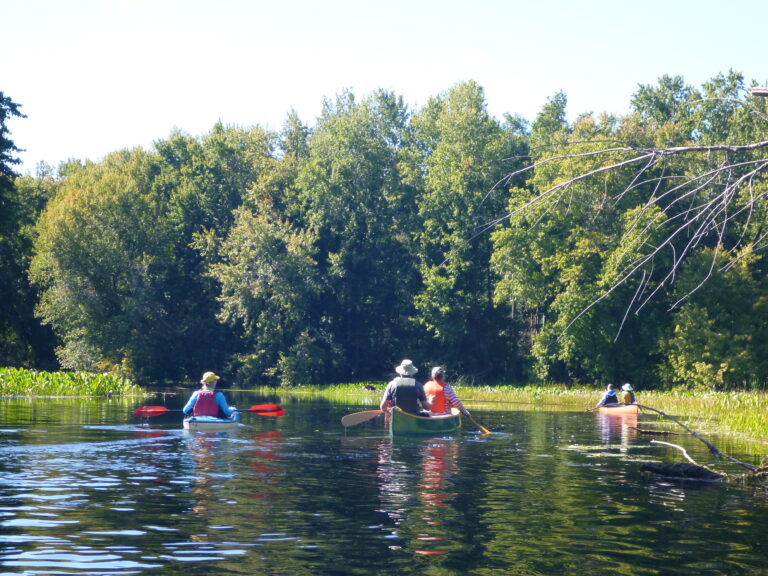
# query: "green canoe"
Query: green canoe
{"points": [[403, 423]]}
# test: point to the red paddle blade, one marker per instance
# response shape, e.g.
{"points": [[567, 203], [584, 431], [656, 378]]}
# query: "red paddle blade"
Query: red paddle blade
{"points": [[267, 410], [147, 411]]}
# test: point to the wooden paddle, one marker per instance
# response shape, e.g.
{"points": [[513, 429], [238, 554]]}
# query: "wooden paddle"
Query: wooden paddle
{"points": [[359, 417], [260, 409], [482, 428]]}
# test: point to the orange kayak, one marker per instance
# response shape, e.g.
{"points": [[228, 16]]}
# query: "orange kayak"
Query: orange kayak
{"points": [[619, 409]]}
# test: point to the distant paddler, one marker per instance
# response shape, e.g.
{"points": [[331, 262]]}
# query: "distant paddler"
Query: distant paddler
{"points": [[443, 398], [441, 395], [208, 401], [609, 398]]}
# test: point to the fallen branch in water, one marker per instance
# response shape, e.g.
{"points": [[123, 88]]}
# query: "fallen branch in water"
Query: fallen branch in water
{"points": [[692, 471], [708, 444], [657, 432]]}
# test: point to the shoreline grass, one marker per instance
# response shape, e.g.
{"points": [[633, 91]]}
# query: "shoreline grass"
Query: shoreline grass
{"points": [[737, 414], [20, 382]]}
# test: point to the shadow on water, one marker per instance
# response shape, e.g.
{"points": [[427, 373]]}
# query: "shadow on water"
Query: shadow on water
{"points": [[93, 490]]}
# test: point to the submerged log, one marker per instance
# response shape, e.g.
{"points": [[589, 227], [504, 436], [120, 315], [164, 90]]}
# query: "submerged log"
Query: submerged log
{"points": [[708, 444], [694, 471], [657, 432], [683, 470], [690, 471]]}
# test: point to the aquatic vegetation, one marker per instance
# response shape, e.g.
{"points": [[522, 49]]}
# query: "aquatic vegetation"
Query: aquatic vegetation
{"points": [[22, 382], [739, 414]]}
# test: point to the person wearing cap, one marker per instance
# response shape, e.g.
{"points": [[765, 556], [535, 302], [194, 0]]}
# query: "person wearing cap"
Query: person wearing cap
{"points": [[208, 401], [627, 395], [441, 395], [608, 398], [405, 391]]}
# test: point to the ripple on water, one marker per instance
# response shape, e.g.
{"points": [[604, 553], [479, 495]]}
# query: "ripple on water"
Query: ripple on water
{"points": [[94, 562]]}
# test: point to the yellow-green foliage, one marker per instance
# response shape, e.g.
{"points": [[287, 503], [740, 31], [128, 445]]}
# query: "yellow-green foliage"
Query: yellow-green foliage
{"points": [[739, 414], [21, 382]]}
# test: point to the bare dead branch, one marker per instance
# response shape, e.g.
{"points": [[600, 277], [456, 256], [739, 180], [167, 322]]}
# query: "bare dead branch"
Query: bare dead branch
{"points": [[708, 215], [708, 444], [685, 453]]}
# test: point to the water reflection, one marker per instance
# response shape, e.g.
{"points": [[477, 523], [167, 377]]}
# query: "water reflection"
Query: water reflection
{"points": [[416, 490], [621, 428], [558, 493], [439, 463], [202, 448]]}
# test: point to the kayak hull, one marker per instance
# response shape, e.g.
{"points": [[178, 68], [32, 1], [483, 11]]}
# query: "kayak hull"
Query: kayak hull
{"points": [[619, 409], [211, 423], [403, 424]]}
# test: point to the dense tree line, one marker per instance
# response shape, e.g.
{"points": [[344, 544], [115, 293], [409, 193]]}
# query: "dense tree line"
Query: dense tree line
{"points": [[326, 253]]}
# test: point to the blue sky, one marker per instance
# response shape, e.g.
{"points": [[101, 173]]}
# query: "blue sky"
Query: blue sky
{"points": [[95, 76]]}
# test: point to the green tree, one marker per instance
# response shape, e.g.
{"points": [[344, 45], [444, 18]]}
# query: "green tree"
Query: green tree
{"points": [[616, 208], [551, 123], [667, 109], [122, 284], [22, 340], [721, 330], [269, 283], [346, 194], [559, 258], [460, 149], [100, 255], [8, 109]]}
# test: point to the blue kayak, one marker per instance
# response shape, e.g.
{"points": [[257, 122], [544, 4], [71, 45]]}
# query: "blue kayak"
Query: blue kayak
{"points": [[211, 423]]}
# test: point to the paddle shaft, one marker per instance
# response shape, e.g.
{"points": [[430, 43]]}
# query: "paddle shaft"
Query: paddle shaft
{"points": [[260, 409], [482, 428]]}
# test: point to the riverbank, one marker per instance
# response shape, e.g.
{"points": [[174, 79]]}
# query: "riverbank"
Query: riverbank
{"points": [[737, 414], [22, 382]]}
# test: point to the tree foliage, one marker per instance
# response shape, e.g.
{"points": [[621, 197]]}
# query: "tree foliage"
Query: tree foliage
{"points": [[460, 152], [618, 207], [600, 249], [23, 342]]}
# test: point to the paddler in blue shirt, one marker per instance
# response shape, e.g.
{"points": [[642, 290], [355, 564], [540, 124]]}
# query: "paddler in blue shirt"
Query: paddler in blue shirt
{"points": [[208, 401], [608, 398]]}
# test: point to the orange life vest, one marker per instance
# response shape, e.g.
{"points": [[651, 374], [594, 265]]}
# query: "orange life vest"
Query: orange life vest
{"points": [[433, 388]]}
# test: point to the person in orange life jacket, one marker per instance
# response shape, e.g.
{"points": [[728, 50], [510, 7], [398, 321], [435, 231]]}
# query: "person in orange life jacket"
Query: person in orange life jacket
{"points": [[208, 401], [609, 397], [627, 395], [441, 395], [405, 391]]}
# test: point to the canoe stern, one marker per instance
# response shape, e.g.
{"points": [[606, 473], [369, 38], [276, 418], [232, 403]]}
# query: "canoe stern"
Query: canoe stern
{"points": [[403, 423]]}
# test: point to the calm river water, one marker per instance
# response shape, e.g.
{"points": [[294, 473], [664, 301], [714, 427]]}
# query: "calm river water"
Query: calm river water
{"points": [[87, 488]]}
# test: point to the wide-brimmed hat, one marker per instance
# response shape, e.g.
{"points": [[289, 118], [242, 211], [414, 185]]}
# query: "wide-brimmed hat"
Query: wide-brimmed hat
{"points": [[406, 368], [209, 378], [627, 386]]}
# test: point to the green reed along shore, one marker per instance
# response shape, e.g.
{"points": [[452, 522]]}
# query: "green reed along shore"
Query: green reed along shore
{"points": [[738, 414], [22, 382]]}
